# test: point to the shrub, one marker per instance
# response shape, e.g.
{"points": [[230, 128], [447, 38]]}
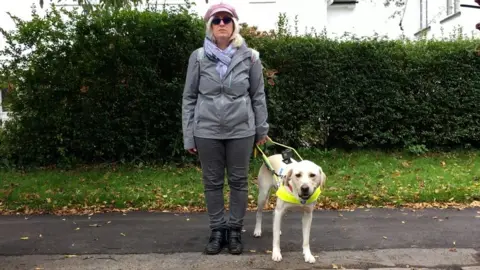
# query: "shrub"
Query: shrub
{"points": [[372, 93], [99, 87]]}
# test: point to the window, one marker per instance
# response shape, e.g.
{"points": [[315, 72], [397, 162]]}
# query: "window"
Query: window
{"points": [[423, 13], [453, 6]]}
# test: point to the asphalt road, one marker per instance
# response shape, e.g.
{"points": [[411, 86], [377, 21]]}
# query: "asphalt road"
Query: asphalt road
{"points": [[165, 233]]}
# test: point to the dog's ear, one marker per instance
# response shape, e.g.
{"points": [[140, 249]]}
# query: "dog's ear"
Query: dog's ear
{"points": [[324, 179], [287, 176], [322, 176]]}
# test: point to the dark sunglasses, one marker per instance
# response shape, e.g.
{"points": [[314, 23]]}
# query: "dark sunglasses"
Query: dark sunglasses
{"points": [[225, 20]]}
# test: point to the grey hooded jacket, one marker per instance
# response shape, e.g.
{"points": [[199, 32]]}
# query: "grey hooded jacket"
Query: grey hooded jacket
{"points": [[233, 107]]}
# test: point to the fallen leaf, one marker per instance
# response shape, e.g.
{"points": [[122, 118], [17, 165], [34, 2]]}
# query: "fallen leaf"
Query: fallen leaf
{"points": [[70, 256], [252, 250], [39, 268], [334, 266], [443, 163], [268, 251], [396, 173], [122, 234], [385, 237], [40, 236], [454, 243], [403, 222], [78, 228], [24, 238], [95, 225], [49, 200], [188, 219], [108, 222]]}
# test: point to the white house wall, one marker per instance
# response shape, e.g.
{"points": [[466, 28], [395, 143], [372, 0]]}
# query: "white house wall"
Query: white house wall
{"points": [[434, 22], [366, 18]]}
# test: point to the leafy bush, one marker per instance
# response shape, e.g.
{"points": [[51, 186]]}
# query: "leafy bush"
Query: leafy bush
{"points": [[106, 87], [373, 93], [99, 87]]}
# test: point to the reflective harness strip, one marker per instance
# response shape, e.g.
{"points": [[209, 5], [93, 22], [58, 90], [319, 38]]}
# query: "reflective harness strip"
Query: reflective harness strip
{"points": [[287, 196]]}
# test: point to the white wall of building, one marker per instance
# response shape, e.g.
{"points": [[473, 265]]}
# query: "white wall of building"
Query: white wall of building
{"points": [[442, 18], [366, 18]]}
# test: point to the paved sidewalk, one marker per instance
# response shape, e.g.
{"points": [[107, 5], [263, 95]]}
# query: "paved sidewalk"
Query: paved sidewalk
{"points": [[461, 259], [397, 238]]}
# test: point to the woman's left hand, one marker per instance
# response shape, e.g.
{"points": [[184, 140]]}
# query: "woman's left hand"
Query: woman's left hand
{"points": [[263, 140]]}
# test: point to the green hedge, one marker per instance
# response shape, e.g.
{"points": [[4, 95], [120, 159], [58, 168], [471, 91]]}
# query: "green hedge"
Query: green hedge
{"points": [[107, 86], [100, 88], [384, 94]]}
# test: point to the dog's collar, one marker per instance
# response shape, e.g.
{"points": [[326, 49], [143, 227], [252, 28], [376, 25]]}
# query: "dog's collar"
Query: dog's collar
{"points": [[285, 195]]}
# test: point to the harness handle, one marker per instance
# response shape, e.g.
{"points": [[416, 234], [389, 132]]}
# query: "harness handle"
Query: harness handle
{"points": [[265, 158], [276, 143]]}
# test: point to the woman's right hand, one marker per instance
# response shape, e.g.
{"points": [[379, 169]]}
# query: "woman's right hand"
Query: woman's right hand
{"points": [[192, 151]]}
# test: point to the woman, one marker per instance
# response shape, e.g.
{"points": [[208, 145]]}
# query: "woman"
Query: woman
{"points": [[224, 113]]}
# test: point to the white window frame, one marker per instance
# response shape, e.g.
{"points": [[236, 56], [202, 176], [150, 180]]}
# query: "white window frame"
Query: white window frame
{"points": [[453, 7], [424, 14]]}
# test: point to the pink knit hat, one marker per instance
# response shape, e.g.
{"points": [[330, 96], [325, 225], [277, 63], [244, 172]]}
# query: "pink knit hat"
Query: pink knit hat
{"points": [[219, 8]]}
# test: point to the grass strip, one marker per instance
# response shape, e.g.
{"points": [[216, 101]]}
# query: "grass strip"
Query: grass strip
{"points": [[355, 179]]}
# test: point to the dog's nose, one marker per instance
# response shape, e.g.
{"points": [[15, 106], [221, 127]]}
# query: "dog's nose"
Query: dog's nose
{"points": [[304, 189]]}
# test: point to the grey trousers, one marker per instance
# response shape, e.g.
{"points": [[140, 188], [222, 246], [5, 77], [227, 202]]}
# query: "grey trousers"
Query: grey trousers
{"points": [[234, 156]]}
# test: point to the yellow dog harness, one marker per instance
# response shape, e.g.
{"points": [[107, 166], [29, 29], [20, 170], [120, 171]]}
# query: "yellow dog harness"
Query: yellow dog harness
{"points": [[285, 195]]}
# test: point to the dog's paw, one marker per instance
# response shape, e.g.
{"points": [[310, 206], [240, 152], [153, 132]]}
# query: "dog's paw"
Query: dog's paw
{"points": [[309, 257], [276, 255], [257, 233]]}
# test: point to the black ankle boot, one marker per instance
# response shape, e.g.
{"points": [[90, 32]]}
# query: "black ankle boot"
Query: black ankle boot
{"points": [[235, 245], [216, 242]]}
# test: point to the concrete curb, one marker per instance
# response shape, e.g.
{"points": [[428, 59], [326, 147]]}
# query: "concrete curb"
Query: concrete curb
{"points": [[458, 259]]}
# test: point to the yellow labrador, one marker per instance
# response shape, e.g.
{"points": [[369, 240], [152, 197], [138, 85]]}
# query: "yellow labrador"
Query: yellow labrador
{"points": [[301, 180]]}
